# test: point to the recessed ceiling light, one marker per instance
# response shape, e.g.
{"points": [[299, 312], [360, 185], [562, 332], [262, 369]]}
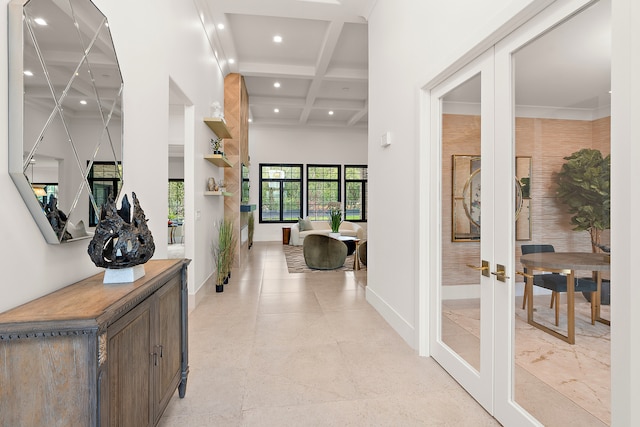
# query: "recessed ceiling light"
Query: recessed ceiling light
{"points": [[40, 21], [232, 61], [277, 39], [331, 112], [27, 73], [250, 120], [276, 84], [276, 110], [83, 102], [221, 26]]}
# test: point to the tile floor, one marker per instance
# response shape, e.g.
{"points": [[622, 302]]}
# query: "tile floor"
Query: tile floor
{"points": [[280, 349]]}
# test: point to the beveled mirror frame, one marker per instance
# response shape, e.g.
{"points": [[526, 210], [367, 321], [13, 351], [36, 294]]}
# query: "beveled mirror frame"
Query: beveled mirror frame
{"points": [[95, 72]]}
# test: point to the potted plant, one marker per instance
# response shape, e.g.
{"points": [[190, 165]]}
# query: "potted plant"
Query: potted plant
{"points": [[584, 185], [223, 253], [335, 218], [215, 145]]}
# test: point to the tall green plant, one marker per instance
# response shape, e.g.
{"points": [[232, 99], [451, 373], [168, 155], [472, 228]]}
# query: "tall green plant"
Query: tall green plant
{"points": [[584, 185], [335, 216], [223, 251]]}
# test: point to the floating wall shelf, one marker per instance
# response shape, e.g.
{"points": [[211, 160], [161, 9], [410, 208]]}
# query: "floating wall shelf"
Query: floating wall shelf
{"points": [[218, 160], [218, 193], [218, 126]]}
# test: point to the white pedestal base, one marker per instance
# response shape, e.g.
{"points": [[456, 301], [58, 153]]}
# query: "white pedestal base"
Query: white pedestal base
{"points": [[123, 275]]}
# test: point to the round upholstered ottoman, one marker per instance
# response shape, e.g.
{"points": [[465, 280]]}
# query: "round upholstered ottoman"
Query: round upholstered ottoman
{"points": [[323, 252]]}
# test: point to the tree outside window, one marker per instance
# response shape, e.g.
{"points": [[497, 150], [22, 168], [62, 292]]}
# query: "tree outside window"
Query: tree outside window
{"points": [[355, 184], [176, 199], [280, 192], [323, 188]]}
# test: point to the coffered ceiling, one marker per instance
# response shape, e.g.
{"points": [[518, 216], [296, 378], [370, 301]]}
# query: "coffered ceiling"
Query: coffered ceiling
{"points": [[321, 64]]}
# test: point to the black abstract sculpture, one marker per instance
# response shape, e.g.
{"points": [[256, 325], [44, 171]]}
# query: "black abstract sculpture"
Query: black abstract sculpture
{"points": [[56, 218], [121, 241]]}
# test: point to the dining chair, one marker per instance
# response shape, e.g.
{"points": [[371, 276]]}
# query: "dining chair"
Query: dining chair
{"points": [[557, 283]]}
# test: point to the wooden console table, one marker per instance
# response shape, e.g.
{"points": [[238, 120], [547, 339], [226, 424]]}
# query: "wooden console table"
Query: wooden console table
{"points": [[96, 354]]}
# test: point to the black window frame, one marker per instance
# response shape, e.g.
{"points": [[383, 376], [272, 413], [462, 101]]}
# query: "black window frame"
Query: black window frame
{"points": [[337, 180], [363, 199], [281, 182], [116, 182]]}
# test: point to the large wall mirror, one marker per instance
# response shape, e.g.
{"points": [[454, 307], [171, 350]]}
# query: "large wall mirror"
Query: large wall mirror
{"points": [[65, 112], [465, 218]]}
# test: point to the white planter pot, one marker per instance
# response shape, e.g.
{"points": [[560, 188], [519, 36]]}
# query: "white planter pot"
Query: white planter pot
{"points": [[334, 235]]}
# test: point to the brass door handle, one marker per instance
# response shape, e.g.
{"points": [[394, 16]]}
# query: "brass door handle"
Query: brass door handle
{"points": [[484, 268], [500, 274], [527, 275]]}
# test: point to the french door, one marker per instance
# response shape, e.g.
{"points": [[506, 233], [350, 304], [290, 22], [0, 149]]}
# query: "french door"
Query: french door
{"points": [[482, 176]]}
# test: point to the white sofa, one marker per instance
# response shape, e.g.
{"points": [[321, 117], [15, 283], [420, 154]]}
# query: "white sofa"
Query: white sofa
{"points": [[322, 227]]}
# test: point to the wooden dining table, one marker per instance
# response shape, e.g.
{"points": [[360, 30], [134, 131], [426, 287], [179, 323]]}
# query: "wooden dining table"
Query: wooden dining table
{"points": [[566, 263]]}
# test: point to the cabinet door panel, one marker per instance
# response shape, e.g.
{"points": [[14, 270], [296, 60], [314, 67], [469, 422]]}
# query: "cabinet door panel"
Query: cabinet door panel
{"points": [[168, 342], [129, 362]]}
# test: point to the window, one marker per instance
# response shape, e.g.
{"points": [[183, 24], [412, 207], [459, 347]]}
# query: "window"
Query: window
{"points": [[280, 192], [323, 187], [176, 199], [105, 179], [44, 191], [245, 185], [355, 185]]}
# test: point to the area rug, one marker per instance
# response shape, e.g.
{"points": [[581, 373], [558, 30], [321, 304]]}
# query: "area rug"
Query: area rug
{"points": [[296, 264]]}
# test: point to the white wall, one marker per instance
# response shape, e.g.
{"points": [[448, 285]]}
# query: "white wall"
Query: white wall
{"points": [[172, 45], [422, 38], [287, 145]]}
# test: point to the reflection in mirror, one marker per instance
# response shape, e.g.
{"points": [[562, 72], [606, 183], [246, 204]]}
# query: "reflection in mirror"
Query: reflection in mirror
{"points": [[65, 109]]}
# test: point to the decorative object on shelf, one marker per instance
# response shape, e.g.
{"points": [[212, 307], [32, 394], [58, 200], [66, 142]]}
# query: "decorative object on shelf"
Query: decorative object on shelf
{"points": [[584, 185], [223, 253], [216, 110], [121, 241], [214, 145], [222, 186], [211, 184], [335, 218]]}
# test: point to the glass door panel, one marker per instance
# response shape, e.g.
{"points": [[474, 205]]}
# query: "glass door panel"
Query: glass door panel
{"points": [[461, 267], [463, 341], [562, 107]]}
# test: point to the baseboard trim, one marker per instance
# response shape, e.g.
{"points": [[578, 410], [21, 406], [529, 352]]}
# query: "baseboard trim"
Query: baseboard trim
{"points": [[196, 298], [397, 322]]}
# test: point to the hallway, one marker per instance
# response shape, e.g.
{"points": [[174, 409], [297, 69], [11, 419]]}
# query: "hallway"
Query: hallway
{"points": [[281, 349]]}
